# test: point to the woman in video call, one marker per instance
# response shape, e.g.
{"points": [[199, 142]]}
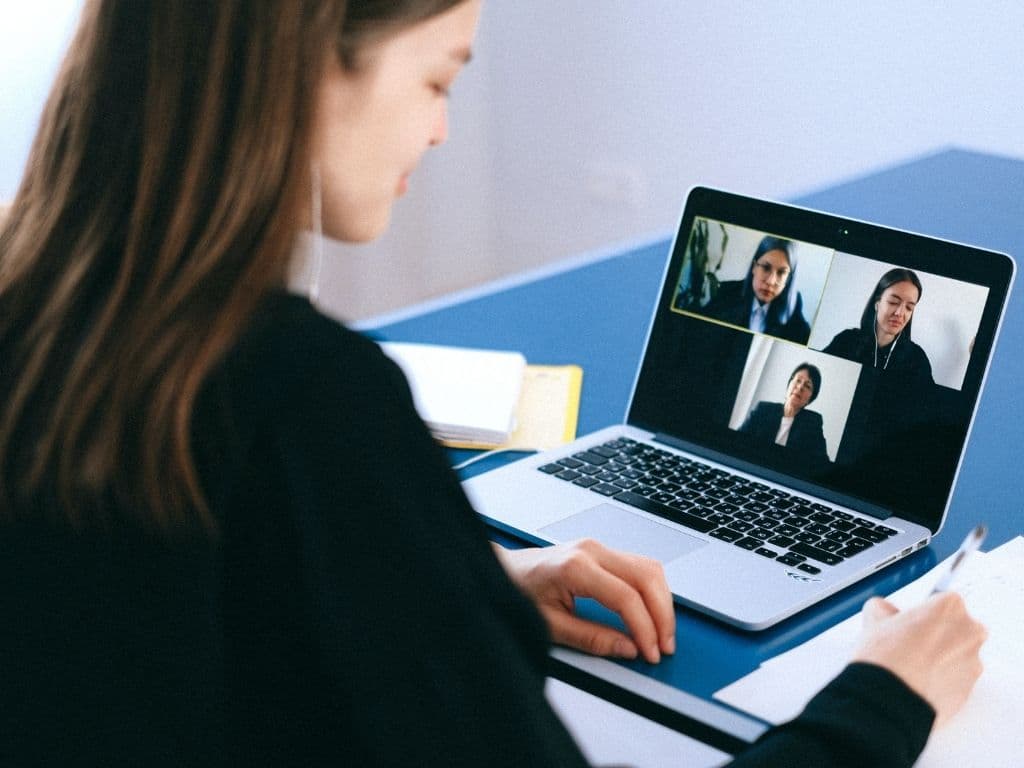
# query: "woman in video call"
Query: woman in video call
{"points": [[766, 301], [789, 424], [883, 339], [208, 556]]}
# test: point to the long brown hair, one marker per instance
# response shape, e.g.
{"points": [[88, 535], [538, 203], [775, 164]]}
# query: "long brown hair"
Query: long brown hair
{"points": [[160, 205]]}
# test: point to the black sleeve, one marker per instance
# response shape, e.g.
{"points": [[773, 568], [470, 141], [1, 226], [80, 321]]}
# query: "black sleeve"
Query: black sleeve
{"points": [[425, 652], [865, 717]]}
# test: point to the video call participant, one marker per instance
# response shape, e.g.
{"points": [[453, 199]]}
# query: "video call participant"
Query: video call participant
{"points": [[789, 424], [767, 300], [883, 339], [207, 556]]}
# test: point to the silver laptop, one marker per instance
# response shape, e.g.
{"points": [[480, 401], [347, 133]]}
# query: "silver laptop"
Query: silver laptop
{"points": [[799, 416]]}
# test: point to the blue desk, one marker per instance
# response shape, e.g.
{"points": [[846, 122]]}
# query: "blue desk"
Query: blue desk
{"points": [[595, 313]]}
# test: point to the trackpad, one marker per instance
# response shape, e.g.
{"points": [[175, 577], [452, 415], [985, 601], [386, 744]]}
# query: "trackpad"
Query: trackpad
{"points": [[621, 529]]}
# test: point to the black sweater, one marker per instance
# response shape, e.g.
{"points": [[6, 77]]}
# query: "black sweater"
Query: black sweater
{"points": [[352, 612]]}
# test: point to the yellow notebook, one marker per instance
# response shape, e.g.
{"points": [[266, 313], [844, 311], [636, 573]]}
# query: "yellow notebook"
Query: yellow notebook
{"points": [[547, 413]]}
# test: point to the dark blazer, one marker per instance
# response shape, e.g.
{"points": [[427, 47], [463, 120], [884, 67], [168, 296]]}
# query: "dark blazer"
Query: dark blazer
{"points": [[731, 306], [806, 436]]}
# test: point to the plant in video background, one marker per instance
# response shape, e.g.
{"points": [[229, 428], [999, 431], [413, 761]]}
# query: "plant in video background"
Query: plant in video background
{"points": [[699, 282]]}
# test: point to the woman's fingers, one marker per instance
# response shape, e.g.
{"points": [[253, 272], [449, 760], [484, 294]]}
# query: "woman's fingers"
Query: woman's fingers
{"points": [[632, 586], [647, 577], [590, 636]]}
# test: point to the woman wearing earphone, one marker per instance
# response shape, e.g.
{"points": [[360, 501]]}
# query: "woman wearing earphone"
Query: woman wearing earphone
{"points": [[883, 339]]}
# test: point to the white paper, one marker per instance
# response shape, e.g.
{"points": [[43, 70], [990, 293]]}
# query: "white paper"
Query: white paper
{"points": [[988, 730], [462, 394]]}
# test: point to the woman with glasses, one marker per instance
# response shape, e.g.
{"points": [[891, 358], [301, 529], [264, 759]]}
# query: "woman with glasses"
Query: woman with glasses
{"points": [[767, 301]]}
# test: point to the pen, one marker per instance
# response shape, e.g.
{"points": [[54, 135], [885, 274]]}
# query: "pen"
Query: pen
{"points": [[971, 543]]}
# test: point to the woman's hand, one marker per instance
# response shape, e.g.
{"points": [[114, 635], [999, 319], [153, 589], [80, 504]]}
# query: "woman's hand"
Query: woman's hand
{"points": [[933, 647], [631, 585]]}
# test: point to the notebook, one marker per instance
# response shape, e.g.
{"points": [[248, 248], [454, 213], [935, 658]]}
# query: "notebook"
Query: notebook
{"points": [[798, 418]]}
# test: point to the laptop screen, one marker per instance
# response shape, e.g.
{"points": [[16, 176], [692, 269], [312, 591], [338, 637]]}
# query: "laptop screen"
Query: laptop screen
{"points": [[838, 357]]}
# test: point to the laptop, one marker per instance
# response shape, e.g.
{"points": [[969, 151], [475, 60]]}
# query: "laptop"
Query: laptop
{"points": [[799, 416]]}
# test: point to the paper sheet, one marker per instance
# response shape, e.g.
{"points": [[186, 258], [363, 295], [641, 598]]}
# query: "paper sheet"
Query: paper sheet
{"points": [[988, 730]]}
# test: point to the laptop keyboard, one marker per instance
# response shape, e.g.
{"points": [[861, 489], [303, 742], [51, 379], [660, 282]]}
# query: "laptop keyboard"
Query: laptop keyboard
{"points": [[753, 516]]}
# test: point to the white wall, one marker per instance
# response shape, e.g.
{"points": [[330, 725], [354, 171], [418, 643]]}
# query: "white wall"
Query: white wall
{"points": [[583, 122], [33, 37]]}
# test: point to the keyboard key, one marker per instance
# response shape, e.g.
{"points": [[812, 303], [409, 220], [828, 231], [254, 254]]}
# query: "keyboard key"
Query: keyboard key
{"points": [[817, 528], [725, 534], [760, 533], [869, 534], [782, 541], [848, 551], [808, 568], [859, 544], [828, 558], [807, 538], [829, 546], [739, 525], [589, 457], [885, 531], [791, 558], [606, 489], [765, 552], [838, 536], [604, 450], [551, 469], [787, 530], [585, 482], [663, 510], [842, 525], [568, 474], [748, 543], [718, 518]]}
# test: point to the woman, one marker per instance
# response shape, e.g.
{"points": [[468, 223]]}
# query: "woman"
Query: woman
{"points": [[883, 339], [767, 300], [789, 424], [227, 537]]}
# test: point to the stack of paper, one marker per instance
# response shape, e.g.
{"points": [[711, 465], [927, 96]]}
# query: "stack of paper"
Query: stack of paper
{"points": [[480, 398], [463, 395]]}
